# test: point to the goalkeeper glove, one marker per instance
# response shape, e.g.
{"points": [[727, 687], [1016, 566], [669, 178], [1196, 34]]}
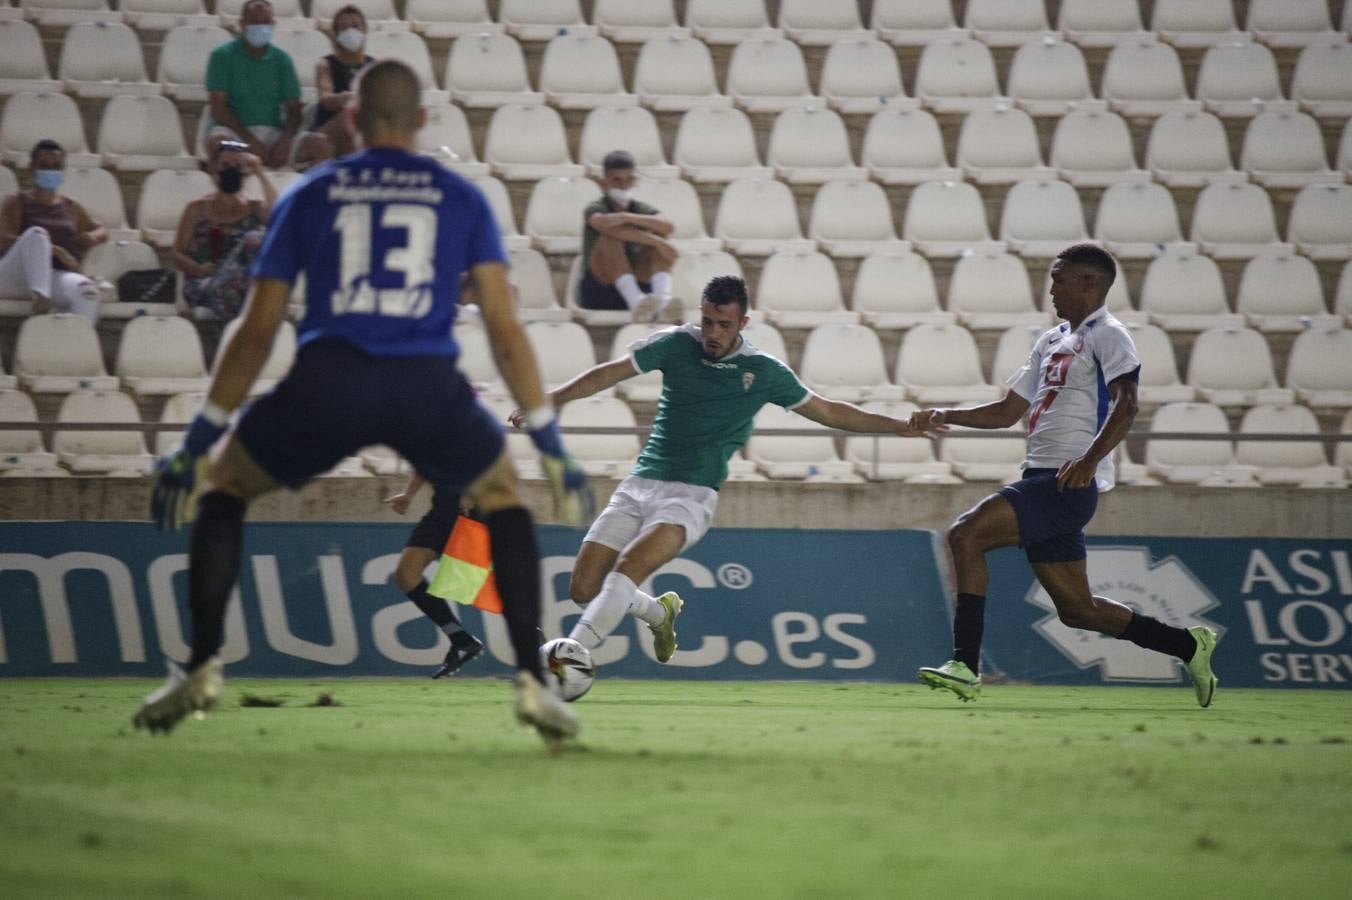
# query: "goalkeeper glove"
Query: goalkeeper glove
{"points": [[178, 476], [573, 501]]}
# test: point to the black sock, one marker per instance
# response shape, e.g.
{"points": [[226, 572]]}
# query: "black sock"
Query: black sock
{"points": [[968, 623], [436, 609], [1152, 634], [516, 568], [214, 554]]}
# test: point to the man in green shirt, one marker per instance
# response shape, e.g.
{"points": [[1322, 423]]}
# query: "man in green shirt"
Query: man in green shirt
{"points": [[626, 256], [255, 95], [713, 384]]}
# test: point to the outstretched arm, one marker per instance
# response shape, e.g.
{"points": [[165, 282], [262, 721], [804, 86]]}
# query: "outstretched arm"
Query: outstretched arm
{"points": [[596, 379], [848, 417], [1000, 414]]}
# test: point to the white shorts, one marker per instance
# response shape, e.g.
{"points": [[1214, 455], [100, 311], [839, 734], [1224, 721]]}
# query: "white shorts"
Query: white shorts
{"points": [[642, 502]]}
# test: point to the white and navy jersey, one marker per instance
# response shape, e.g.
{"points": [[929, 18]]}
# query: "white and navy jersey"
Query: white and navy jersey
{"points": [[382, 237], [1066, 382]]}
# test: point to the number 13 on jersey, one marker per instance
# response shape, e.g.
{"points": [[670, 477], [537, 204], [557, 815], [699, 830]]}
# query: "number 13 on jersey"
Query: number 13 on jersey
{"points": [[363, 241]]}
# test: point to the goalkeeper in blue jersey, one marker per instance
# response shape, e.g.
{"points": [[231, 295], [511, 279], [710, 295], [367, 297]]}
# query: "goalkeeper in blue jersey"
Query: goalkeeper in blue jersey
{"points": [[382, 237]]}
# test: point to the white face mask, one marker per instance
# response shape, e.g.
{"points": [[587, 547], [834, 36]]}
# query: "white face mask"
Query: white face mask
{"points": [[619, 196], [351, 39]]}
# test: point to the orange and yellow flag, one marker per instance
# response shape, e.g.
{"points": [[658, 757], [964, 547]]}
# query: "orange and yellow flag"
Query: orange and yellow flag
{"points": [[465, 573]]}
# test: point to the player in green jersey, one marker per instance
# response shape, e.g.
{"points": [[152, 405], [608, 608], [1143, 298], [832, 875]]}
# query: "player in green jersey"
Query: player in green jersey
{"points": [[713, 384]]}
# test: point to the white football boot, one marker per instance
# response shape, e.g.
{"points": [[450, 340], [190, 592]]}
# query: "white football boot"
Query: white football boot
{"points": [[537, 705], [181, 693]]}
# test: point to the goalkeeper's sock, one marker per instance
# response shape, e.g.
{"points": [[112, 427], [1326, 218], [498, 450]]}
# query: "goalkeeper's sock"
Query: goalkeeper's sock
{"points": [[214, 554], [645, 607], [516, 568], [436, 609], [969, 621], [1152, 634], [605, 613]]}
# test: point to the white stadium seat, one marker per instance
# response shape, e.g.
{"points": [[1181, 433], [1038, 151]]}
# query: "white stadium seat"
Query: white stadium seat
{"points": [[141, 134], [182, 70], [29, 118], [757, 217], [1182, 291], [998, 459], [897, 290], [1134, 219], [1000, 146], [1092, 148], [583, 72], [676, 73], [1322, 82], [563, 349], [1160, 383], [631, 128], [645, 388], [896, 458], [411, 50], [501, 203], [1285, 149], [766, 338], [809, 458], [527, 143], [379, 14], [164, 194], [21, 452], [694, 270], [1206, 462], [442, 19], [541, 20], [488, 70], [1342, 294], [536, 297], [957, 75], [476, 358], [904, 146], [101, 452], [1234, 221], [1013, 349], [1281, 292], [1344, 160], [769, 75], [728, 21], [1290, 23], [940, 364], [1145, 78], [1319, 367], [915, 23], [306, 47], [23, 65], [677, 200], [801, 289], [1042, 218], [1292, 463], [447, 137], [1196, 23], [717, 145], [554, 212], [160, 355], [862, 76], [809, 145], [1237, 80], [845, 362], [637, 21], [853, 218], [59, 353], [945, 218], [1233, 367], [1007, 23], [1100, 23], [288, 13], [280, 357], [1321, 221], [991, 291], [1189, 149], [65, 13], [98, 192], [811, 22], [1049, 77], [601, 455], [103, 59]]}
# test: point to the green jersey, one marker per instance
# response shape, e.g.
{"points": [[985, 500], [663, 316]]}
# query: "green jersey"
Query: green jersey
{"points": [[708, 406]]}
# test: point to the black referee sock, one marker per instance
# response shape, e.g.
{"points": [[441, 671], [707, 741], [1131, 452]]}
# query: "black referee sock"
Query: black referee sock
{"points": [[968, 624], [516, 568], [436, 609], [1152, 634], [214, 554]]}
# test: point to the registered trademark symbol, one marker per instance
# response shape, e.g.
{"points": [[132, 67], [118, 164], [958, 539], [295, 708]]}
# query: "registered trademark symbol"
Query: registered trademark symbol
{"points": [[734, 576]]}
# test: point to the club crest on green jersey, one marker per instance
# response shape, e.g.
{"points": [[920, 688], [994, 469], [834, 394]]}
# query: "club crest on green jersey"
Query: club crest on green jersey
{"points": [[747, 378]]}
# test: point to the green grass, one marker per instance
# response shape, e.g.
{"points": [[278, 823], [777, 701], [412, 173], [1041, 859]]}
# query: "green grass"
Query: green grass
{"points": [[691, 790]]}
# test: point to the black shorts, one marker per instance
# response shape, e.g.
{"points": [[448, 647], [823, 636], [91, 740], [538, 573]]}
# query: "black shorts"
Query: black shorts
{"points": [[592, 294], [338, 399], [1051, 522], [434, 529]]}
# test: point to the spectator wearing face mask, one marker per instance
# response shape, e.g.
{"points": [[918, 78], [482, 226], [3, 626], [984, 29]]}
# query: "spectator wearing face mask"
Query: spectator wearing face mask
{"points": [[255, 95], [334, 74], [219, 234], [43, 238]]}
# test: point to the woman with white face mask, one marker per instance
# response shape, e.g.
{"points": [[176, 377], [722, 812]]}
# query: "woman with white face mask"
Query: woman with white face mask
{"points": [[43, 238], [334, 75]]}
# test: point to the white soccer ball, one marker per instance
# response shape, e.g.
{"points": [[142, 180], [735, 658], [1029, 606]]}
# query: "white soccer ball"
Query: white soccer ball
{"points": [[570, 666]]}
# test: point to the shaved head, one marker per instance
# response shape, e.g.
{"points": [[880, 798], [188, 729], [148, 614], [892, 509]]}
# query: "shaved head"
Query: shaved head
{"points": [[388, 99]]}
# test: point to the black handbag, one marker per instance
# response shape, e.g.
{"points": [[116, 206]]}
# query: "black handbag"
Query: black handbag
{"points": [[146, 286]]}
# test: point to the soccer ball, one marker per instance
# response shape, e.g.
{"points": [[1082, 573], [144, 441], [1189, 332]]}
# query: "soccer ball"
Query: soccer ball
{"points": [[570, 665]]}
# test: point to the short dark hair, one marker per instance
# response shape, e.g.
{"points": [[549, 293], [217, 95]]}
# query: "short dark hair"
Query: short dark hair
{"points": [[248, 3], [617, 159], [388, 98], [1094, 257], [43, 146], [351, 9], [724, 289]]}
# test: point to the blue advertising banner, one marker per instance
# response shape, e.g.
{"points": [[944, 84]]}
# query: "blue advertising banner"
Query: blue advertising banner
{"points": [[317, 599], [1283, 608]]}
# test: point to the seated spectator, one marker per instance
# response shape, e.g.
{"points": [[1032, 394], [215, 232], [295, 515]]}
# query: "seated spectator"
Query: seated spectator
{"points": [[255, 95], [334, 74], [219, 234], [628, 257], [43, 238]]}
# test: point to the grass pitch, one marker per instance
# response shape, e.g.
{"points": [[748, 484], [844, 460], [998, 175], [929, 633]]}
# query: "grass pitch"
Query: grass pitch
{"points": [[691, 790]]}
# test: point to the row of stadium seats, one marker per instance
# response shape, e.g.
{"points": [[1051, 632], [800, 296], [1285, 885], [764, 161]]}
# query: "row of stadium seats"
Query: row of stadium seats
{"points": [[581, 71], [1230, 366], [1247, 463], [1091, 23]]}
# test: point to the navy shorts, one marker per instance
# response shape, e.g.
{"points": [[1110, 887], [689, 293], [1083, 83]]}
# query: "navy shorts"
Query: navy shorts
{"points": [[434, 529], [592, 294], [338, 399], [1051, 522]]}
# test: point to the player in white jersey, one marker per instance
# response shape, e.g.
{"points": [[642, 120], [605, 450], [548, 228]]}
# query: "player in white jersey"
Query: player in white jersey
{"points": [[1079, 390]]}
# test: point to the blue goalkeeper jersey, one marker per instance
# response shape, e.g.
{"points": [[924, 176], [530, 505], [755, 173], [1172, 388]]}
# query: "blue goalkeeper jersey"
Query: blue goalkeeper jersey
{"points": [[382, 237]]}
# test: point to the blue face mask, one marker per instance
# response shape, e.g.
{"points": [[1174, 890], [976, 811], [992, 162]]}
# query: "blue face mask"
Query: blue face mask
{"points": [[48, 179], [258, 35]]}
